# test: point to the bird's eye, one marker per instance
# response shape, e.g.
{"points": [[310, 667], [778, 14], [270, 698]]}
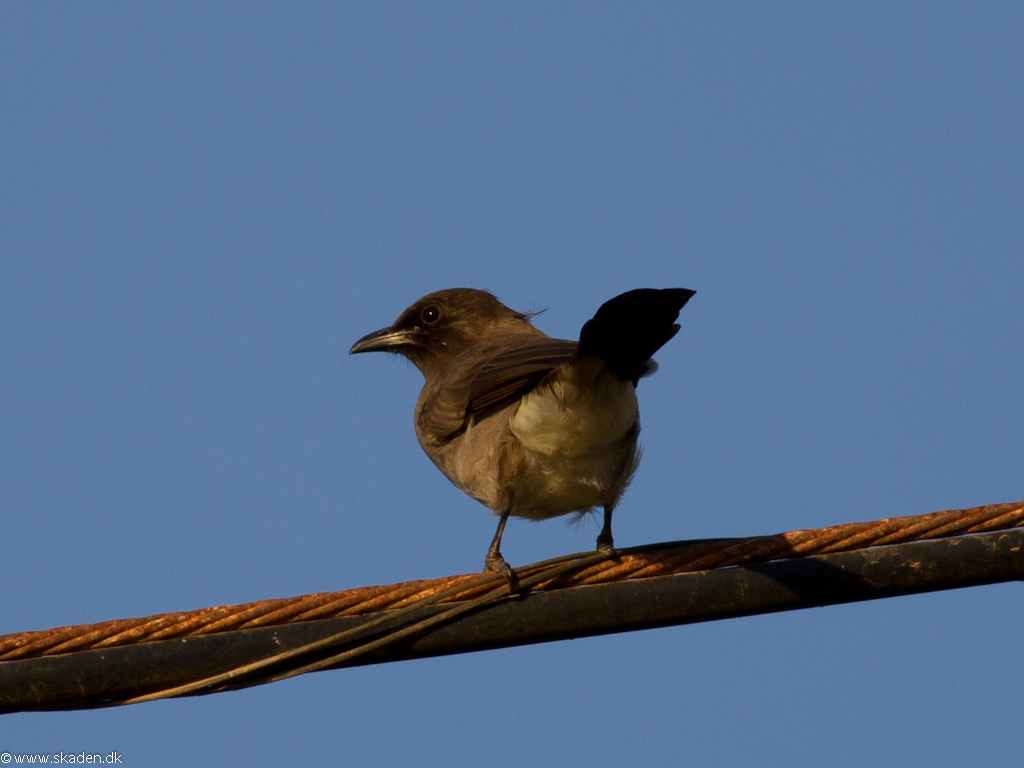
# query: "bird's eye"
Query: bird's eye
{"points": [[430, 314]]}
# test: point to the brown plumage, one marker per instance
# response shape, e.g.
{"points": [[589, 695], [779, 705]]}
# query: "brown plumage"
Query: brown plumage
{"points": [[528, 425]]}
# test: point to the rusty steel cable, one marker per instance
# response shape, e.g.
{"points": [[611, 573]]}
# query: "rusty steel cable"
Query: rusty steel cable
{"points": [[637, 563], [225, 681], [839, 539], [234, 647]]}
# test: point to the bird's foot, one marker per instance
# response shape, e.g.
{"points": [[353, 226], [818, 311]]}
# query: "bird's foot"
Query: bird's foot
{"points": [[605, 544], [496, 563]]}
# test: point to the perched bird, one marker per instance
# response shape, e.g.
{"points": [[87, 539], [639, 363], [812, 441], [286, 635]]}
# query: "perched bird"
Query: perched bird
{"points": [[526, 424]]}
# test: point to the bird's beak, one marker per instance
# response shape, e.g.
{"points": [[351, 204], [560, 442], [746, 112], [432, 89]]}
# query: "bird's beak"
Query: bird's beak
{"points": [[384, 340]]}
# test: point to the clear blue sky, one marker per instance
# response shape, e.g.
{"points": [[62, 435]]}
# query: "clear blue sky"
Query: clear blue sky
{"points": [[205, 204]]}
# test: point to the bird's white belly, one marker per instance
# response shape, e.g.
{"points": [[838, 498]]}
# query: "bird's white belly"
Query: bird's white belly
{"points": [[574, 435], [553, 485], [583, 410]]}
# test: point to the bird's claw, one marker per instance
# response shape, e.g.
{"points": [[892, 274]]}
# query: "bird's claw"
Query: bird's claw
{"points": [[605, 544], [496, 563]]}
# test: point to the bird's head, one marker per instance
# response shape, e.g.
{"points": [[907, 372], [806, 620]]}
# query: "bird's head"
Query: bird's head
{"points": [[442, 325]]}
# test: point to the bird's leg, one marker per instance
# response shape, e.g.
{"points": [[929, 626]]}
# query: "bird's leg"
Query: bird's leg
{"points": [[495, 562], [604, 539]]}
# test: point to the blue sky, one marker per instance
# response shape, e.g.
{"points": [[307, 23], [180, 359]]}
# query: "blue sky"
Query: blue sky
{"points": [[205, 204]]}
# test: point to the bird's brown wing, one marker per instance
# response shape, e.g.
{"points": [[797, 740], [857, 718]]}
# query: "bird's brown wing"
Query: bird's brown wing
{"points": [[508, 376], [485, 379]]}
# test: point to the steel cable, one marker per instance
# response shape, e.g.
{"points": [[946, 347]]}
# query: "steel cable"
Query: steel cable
{"points": [[578, 570]]}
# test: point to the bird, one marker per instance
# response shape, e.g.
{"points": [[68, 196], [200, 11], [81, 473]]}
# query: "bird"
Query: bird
{"points": [[529, 425]]}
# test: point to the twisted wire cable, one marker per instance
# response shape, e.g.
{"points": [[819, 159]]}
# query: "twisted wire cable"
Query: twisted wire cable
{"points": [[570, 571]]}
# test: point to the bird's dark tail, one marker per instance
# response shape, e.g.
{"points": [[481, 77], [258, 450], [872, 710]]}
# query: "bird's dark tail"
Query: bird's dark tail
{"points": [[629, 329]]}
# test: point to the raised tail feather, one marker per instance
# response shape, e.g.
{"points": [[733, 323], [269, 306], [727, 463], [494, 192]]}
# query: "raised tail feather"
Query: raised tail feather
{"points": [[627, 330]]}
